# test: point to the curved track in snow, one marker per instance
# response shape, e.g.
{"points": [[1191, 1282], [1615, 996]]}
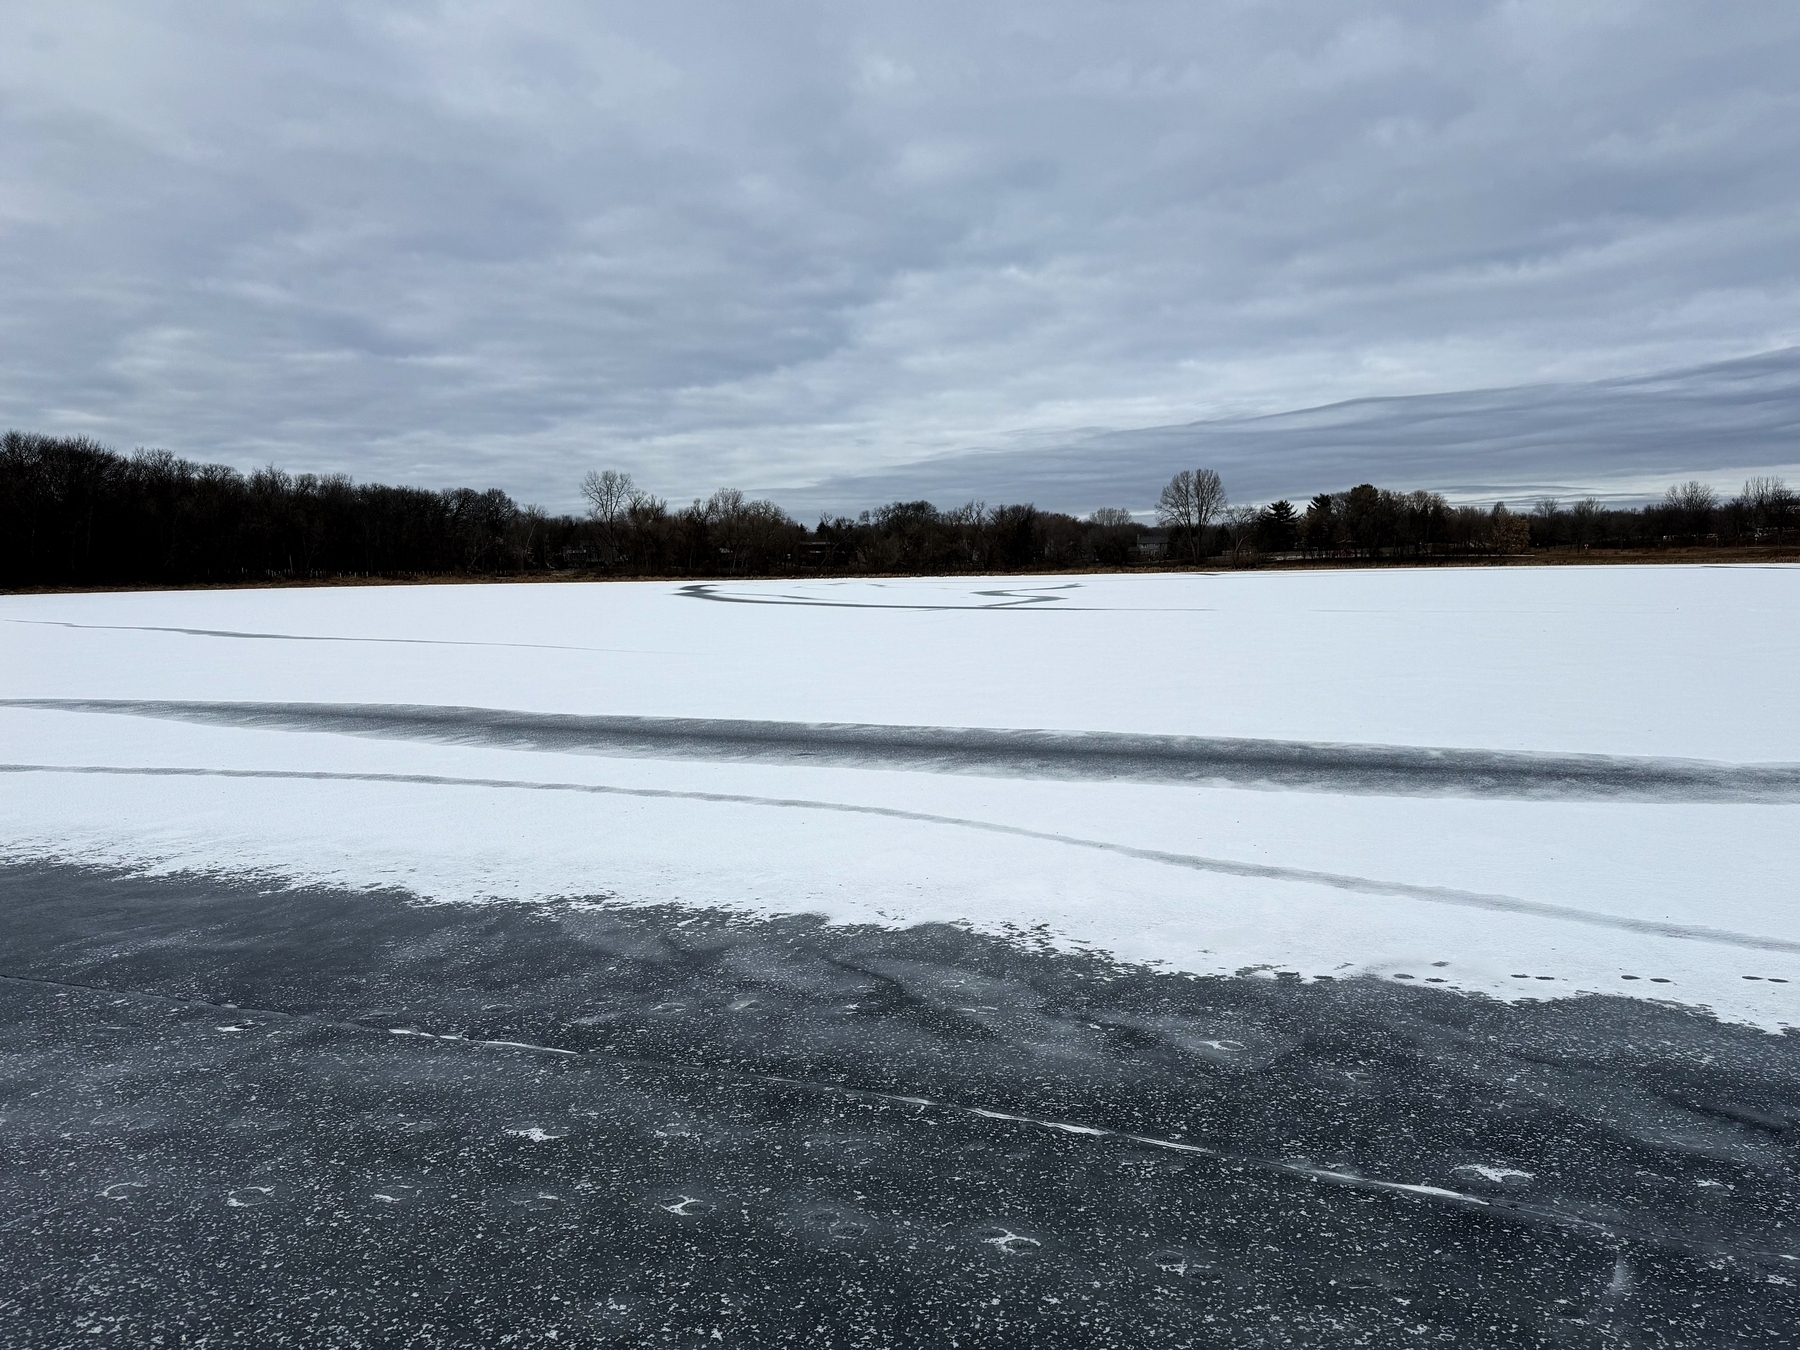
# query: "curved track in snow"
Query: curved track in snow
{"points": [[1439, 895]]}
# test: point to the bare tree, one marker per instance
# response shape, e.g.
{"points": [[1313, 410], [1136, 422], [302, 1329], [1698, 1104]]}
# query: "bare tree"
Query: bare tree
{"points": [[609, 493], [1239, 523], [1586, 515], [1768, 502], [725, 505], [1508, 533], [1111, 516], [1189, 502], [1691, 505], [1692, 495], [610, 497], [1546, 516], [523, 534]]}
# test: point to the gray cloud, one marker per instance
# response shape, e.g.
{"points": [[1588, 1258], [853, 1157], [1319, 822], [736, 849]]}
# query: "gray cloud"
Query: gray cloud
{"points": [[795, 245], [1623, 439]]}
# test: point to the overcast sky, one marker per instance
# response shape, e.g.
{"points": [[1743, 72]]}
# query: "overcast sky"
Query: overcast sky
{"points": [[784, 245]]}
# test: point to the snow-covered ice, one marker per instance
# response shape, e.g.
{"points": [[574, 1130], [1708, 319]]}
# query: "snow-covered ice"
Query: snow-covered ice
{"points": [[1691, 901]]}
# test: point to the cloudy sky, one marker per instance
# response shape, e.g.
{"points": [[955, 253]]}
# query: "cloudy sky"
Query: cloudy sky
{"points": [[818, 248]]}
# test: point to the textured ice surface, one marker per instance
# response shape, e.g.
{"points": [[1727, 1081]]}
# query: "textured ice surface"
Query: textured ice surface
{"points": [[961, 1127]]}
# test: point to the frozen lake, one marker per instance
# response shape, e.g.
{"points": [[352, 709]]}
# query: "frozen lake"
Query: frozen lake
{"points": [[1518, 782], [1116, 960]]}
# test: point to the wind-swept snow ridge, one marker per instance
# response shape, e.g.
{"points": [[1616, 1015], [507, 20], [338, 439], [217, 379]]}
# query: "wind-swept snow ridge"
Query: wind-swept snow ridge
{"points": [[1392, 770]]}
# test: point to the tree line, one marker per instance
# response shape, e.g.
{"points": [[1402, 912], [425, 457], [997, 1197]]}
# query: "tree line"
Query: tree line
{"points": [[1369, 523], [75, 513]]}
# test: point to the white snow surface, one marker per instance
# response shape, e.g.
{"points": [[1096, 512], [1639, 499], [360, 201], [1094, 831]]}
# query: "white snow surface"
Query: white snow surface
{"points": [[1693, 662]]}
